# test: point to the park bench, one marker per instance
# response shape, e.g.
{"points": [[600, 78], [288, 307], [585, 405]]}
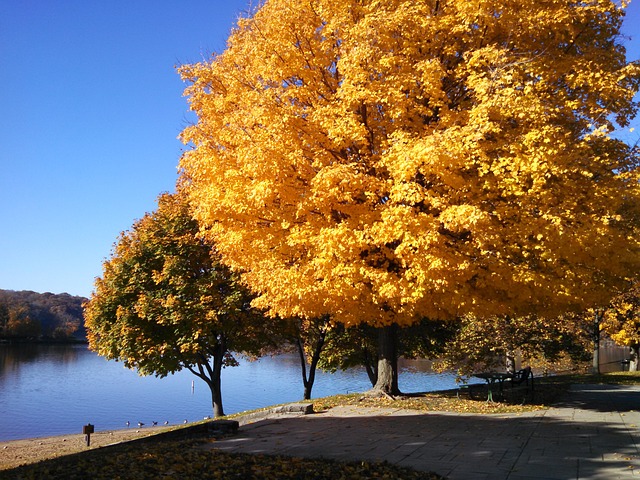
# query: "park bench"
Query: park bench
{"points": [[521, 383]]}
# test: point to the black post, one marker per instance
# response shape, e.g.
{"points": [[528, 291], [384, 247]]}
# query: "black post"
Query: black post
{"points": [[88, 429]]}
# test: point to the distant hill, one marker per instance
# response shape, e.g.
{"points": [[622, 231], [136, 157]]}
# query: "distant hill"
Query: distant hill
{"points": [[26, 315]]}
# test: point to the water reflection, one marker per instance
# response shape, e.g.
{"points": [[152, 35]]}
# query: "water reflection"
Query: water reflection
{"points": [[14, 356], [55, 389]]}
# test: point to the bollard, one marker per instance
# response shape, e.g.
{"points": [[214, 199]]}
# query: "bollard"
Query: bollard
{"points": [[88, 430]]}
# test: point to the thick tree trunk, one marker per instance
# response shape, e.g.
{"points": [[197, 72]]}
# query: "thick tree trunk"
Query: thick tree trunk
{"points": [[387, 381], [312, 377], [306, 395], [511, 362], [216, 386], [214, 382], [216, 399]]}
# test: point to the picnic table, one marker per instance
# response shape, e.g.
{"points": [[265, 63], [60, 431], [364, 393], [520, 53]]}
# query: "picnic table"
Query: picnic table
{"points": [[517, 380], [492, 378]]}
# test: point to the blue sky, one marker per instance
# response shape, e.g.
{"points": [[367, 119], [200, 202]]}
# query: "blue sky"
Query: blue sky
{"points": [[90, 111]]}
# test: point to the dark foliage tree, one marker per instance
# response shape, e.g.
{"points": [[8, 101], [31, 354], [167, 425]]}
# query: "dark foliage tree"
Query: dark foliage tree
{"points": [[165, 302]]}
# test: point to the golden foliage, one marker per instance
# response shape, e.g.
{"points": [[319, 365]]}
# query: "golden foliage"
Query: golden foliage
{"points": [[383, 161], [622, 319], [489, 343]]}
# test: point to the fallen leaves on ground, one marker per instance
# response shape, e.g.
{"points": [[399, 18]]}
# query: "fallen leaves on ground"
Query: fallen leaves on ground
{"points": [[473, 398], [466, 401], [184, 459]]}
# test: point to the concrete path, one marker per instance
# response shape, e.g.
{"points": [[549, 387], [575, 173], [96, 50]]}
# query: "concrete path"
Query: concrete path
{"points": [[593, 433]]}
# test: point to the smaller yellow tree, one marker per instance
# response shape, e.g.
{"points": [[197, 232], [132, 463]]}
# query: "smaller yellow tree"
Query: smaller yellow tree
{"points": [[622, 322], [493, 342]]}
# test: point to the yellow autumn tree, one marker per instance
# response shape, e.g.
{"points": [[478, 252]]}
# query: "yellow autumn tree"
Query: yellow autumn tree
{"points": [[621, 321], [381, 161]]}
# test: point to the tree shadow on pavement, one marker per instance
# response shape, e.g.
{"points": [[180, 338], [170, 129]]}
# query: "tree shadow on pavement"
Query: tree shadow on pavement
{"points": [[533, 445], [601, 398]]}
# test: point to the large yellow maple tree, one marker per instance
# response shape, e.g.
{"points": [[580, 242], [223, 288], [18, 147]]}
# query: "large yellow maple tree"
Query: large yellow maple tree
{"points": [[380, 161]]}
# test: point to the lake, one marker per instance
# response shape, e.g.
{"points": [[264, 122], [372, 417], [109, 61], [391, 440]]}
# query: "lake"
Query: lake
{"points": [[56, 389]]}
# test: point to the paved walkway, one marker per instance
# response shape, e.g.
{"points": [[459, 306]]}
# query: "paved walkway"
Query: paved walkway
{"points": [[593, 433]]}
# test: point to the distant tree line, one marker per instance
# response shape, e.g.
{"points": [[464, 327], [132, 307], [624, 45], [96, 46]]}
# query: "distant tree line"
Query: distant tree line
{"points": [[27, 315]]}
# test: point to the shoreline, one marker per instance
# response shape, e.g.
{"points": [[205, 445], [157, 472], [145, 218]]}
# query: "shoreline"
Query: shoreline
{"points": [[132, 429], [14, 453]]}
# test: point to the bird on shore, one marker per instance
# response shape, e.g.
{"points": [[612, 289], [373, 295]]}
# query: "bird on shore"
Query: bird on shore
{"points": [[185, 421], [128, 423], [140, 424], [155, 423], [166, 422]]}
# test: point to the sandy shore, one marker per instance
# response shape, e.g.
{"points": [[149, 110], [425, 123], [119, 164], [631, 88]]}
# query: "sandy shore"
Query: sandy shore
{"points": [[18, 452], [31, 450]]}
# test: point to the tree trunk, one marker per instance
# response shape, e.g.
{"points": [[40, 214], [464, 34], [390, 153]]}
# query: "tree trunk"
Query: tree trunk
{"points": [[370, 366], [595, 368], [387, 381], [213, 379], [211, 374], [306, 395], [511, 362], [303, 367], [216, 399], [315, 358], [216, 386], [633, 358]]}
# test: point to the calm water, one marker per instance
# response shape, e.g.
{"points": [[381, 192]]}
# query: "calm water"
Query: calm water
{"points": [[56, 389]]}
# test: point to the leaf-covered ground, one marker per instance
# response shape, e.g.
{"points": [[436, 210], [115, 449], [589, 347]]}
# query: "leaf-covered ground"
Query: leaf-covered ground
{"points": [[184, 460], [466, 400], [472, 399]]}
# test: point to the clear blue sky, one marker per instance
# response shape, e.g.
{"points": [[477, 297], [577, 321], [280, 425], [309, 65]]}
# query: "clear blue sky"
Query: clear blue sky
{"points": [[90, 111]]}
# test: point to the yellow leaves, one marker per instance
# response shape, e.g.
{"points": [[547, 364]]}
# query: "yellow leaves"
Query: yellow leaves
{"points": [[622, 319], [339, 184], [380, 161], [194, 458], [458, 218]]}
